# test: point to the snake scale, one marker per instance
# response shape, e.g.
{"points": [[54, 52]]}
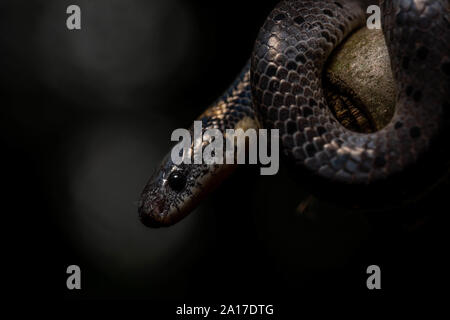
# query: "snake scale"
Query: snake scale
{"points": [[281, 88]]}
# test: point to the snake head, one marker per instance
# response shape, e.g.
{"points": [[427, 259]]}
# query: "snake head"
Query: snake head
{"points": [[174, 190], [164, 197]]}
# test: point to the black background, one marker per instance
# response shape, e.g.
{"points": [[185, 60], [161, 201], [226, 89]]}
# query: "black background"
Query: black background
{"points": [[86, 116]]}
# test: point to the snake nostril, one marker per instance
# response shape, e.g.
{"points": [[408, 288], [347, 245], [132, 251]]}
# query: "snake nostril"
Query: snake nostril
{"points": [[157, 206], [150, 211]]}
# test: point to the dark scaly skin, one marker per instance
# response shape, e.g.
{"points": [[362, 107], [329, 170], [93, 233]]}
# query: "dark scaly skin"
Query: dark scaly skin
{"points": [[290, 54], [286, 94]]}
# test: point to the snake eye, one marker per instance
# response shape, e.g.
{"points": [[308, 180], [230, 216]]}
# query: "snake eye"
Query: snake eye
{"points": [[177, 181]]}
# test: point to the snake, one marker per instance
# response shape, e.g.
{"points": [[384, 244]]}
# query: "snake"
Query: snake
{"points": [[281, 88]]}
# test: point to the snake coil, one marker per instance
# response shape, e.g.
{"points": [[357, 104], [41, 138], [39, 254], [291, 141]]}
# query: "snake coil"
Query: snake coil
{"points": [[281, 88]]}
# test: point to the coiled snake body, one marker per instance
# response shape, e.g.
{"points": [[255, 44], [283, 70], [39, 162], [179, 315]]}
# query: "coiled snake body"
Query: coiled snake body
{"points": [[281, 88]]}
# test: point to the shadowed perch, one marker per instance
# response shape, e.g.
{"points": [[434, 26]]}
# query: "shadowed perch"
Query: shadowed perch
{"points": [[358, 82]]}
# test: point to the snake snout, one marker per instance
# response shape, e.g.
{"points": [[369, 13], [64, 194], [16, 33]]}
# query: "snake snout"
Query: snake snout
{"points": [[152, 212]]}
